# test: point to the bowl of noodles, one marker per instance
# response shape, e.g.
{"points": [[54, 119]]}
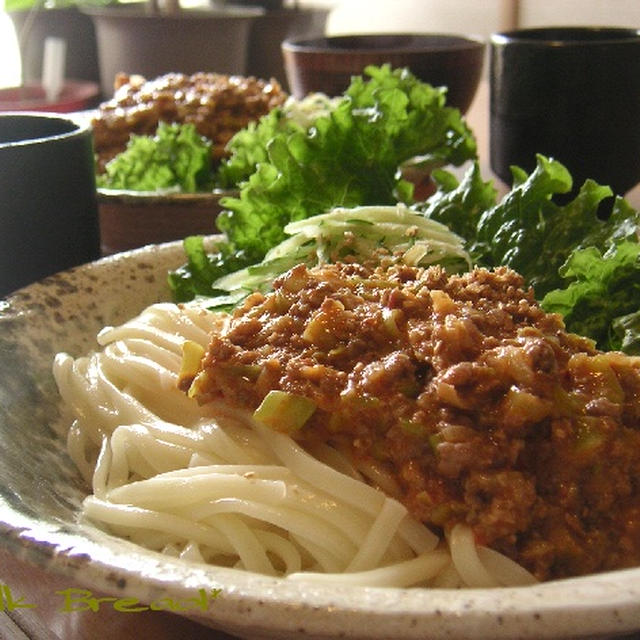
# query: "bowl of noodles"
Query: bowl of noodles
{"points": [[98, 520], [343, 419]]}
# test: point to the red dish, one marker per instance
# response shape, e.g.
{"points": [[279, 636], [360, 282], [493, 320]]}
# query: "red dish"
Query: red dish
{"points": [[76, 95]]}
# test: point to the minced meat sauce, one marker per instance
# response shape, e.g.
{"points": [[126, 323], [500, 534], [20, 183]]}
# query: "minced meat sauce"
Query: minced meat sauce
{"points": [[478, 404], [218, 105]]}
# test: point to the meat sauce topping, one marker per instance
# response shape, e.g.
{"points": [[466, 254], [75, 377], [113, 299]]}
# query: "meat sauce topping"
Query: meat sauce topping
{"points": [[218, 105], [478, 405]]}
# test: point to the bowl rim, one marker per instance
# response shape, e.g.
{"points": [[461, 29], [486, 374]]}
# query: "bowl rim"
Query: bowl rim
{"points": [[129, 196], [135, 12], [545, 36], [416, 43], [75, 127]]}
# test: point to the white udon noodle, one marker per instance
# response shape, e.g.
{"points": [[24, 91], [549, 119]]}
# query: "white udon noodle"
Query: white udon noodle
{"points": [[210, 484]]}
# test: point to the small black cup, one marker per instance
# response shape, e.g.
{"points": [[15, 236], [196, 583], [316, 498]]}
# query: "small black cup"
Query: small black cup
{"points": [[48, 201], [571, 93]]}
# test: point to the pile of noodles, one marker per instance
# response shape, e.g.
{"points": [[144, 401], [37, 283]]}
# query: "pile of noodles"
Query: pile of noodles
{"points": [[212, 485]]}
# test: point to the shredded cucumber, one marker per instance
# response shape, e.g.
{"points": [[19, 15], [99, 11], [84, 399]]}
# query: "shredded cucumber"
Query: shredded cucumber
{"points": [[355, 233]]}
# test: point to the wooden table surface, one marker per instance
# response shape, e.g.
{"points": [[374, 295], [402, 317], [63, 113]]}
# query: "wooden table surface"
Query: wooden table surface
{"points": [[46, 621]]}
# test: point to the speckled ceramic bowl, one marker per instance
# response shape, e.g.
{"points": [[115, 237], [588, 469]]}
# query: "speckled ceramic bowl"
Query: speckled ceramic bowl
{"points": [[40, 494]]}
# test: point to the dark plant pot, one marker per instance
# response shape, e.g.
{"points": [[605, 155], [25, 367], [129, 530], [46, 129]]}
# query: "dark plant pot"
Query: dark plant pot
{"points": [[70, 24], [265, 58], [269, 5], [133, 41]]}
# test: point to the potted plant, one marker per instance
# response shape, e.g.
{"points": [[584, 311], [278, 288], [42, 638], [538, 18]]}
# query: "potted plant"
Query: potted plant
{"points": [[35, 20], [240, 37], [159, 36], [149, 37]]}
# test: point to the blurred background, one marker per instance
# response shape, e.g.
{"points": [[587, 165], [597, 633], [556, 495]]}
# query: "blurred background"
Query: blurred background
{"points": [[340, 17]]}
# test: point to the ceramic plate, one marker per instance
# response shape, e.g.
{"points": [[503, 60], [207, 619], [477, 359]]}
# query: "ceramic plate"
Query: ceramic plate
{"points": [[40, 494]]}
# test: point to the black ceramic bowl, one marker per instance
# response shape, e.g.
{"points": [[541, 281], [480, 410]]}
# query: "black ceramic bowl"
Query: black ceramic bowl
{"points": [[48, 209], [572, 93], [326, 64]]}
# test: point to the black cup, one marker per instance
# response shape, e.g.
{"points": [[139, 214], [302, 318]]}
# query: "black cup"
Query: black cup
{"points": [[48, 202], [571, 93]]}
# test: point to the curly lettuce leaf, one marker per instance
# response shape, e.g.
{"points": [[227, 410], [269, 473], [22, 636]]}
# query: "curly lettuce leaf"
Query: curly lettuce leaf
{"points": [[248, 147], [626, 333], [601, 289], [177, 157], [348, 157], [529, 232], [581, 266], [460, 204], [203, 267]]}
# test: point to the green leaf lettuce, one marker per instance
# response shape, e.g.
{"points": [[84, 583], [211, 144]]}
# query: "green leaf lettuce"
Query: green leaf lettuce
{"points": [[177, 157]]}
